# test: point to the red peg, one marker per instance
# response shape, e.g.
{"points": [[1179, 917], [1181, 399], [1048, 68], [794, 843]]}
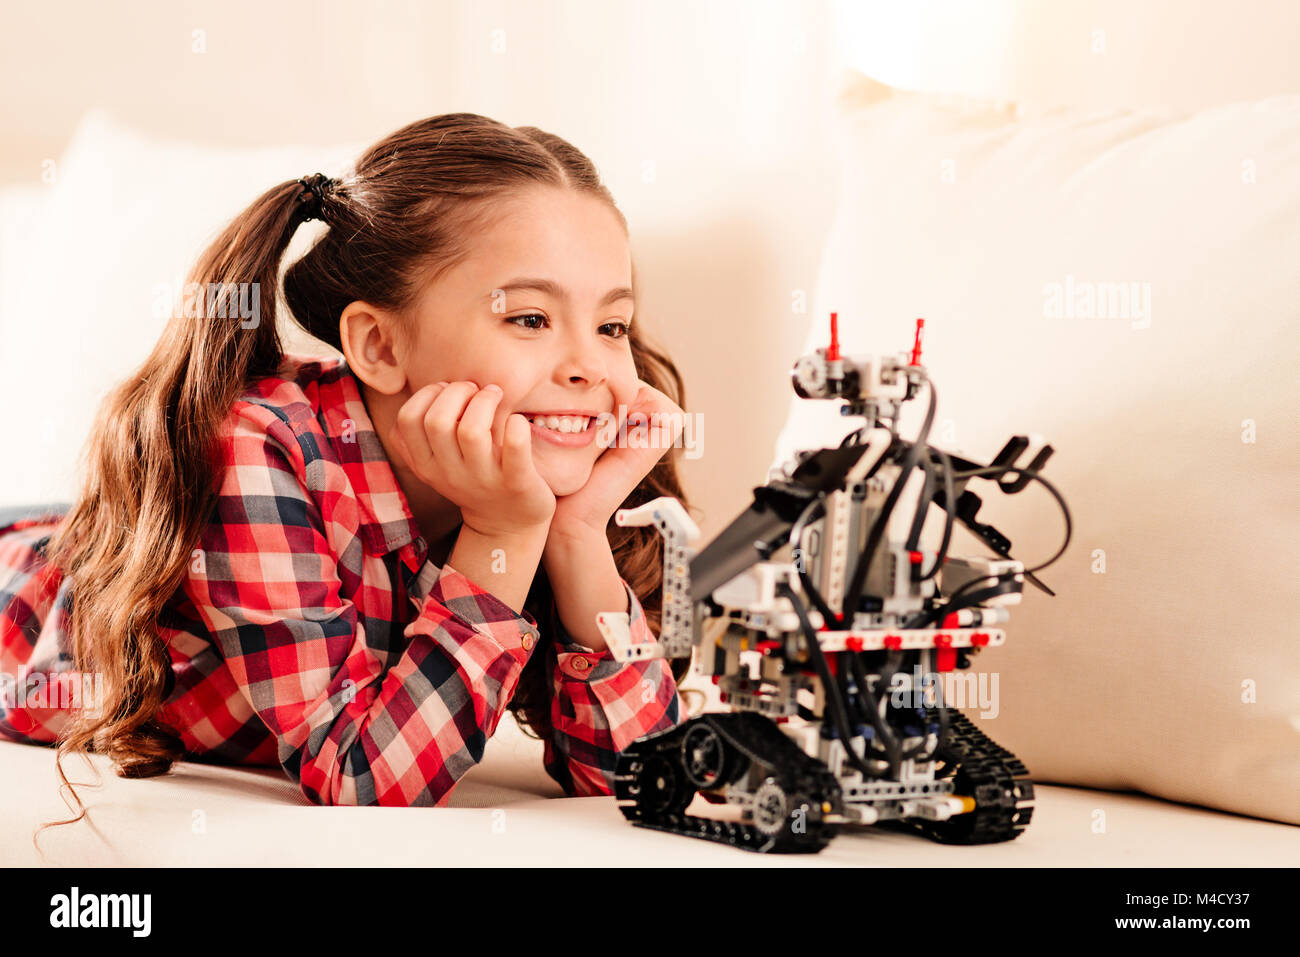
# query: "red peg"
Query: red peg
{"points": [[916, 346]]}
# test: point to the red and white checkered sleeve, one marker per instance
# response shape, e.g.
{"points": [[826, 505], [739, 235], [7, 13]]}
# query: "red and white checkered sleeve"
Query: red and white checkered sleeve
{"points": [[350, 731], [600, 706], [39, 690]]}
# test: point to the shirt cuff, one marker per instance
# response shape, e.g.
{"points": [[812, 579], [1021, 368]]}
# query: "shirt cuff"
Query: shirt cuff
{"points": [[481, 610], [580, 663]]}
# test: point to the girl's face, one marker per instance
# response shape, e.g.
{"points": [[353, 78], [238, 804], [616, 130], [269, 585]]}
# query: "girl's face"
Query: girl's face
{"points": [[541, 307]]}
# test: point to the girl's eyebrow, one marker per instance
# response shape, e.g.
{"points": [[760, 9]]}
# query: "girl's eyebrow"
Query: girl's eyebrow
{"points": [[553, 289]]}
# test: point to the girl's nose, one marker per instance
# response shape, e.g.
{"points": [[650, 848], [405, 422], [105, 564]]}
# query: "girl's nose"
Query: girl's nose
{"points": [[584, 363]]}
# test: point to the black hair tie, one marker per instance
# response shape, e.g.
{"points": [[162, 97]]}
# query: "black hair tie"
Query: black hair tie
{"points": [[314, 187]]}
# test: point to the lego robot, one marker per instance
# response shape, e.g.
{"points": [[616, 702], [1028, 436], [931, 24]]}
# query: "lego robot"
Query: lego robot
{"points": [[833, 727]]}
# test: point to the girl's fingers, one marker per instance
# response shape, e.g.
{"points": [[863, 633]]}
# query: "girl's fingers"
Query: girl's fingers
{"points": [[440, 422], [399, 445], [657, 425], [409, 431], [517, 452], [474, 433], [671, 424]]}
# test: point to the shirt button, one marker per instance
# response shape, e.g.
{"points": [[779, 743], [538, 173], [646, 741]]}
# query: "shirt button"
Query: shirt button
{"points": [[580, 664], [528, 642]]}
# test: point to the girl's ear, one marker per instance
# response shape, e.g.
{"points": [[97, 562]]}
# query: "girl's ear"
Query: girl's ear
{"points": [[374, 346]]}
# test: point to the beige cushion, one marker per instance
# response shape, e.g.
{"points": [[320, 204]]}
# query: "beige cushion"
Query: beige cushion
{"points": [[107, 235], [1167, 662]]}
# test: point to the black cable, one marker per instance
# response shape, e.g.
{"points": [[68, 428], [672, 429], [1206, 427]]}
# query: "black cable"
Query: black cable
{"points": [[944, 468], [892, 743], [881, 525], [922, 505], [886, 679], [828, 616], [916, 750], [949, 511], [831, 691], [1037, 477], [943, 714], [817, 505], [883, 732], [957, 600], [952, 604], [873, 712], [796, 532]]}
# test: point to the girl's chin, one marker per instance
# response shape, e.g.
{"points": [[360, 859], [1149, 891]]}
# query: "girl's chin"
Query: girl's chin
{"points": [[565, 481]]}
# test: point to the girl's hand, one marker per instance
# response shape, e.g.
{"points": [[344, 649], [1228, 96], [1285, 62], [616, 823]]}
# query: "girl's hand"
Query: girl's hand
{"points": [[444, 432], [653, 425]]}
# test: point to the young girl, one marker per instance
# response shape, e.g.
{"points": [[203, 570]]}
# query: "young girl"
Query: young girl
{"points": [[353, 568]]}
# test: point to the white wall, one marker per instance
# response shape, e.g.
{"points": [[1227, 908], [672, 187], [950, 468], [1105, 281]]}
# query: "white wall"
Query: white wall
{"points": [[708, 122]]}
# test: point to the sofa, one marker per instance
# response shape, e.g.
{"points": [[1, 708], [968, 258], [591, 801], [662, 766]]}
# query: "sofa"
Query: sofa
{"points": [[507, 811], [1155, 698]]}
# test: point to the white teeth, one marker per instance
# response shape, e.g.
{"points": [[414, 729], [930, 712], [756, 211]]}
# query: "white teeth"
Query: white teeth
{"points": [[561, 423]]}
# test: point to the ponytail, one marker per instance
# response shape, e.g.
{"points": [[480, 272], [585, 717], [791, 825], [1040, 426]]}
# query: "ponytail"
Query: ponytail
{"points": [[154, 457]]}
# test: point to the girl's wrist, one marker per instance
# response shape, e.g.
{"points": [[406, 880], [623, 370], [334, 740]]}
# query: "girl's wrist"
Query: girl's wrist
{"points": [[503, 564], [585, 581], [571, 554], [573, 540]]}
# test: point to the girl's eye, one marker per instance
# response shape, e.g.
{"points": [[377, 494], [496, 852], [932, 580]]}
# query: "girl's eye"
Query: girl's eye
{"points": [[521, 320]]}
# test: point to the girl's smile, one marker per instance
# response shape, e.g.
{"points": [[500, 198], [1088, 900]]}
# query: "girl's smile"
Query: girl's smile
{"points": [[567, 430]]}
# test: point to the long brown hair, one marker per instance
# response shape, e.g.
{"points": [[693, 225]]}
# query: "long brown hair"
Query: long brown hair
{"points": [[406, 213]]}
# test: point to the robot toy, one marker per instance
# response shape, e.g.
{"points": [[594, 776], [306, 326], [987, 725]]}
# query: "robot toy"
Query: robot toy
{"points": [[832, 727]]}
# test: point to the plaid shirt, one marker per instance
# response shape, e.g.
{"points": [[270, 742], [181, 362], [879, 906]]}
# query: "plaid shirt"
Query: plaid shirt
{"points": [[313, 631]]}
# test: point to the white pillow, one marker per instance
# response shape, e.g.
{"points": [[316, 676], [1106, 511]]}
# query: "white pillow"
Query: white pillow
{"points": [[1167, 661], [86, 280], [21, 208], [1088, 53]]}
